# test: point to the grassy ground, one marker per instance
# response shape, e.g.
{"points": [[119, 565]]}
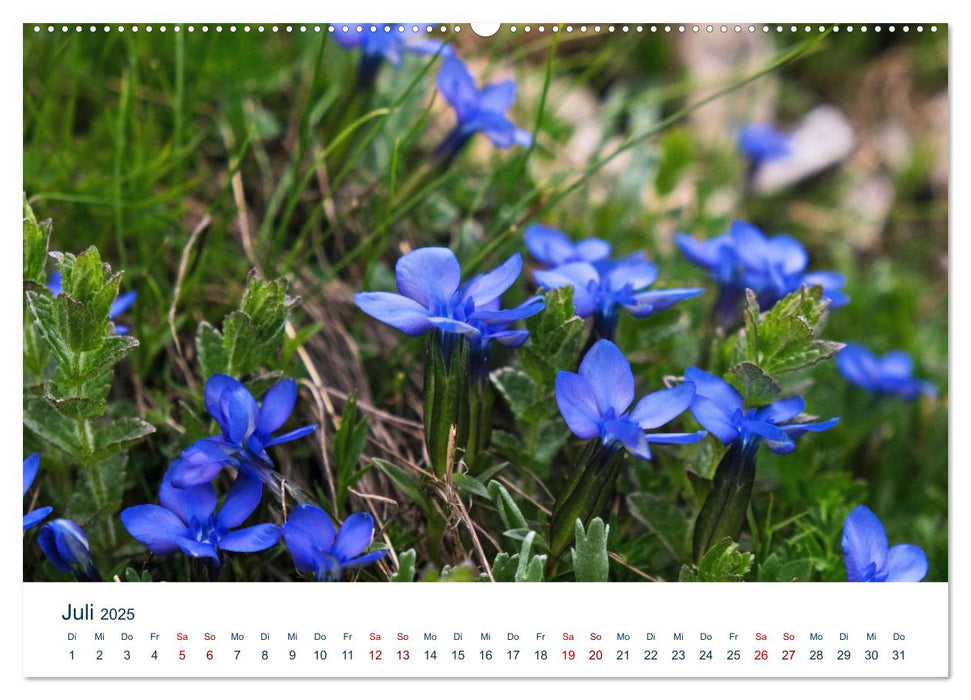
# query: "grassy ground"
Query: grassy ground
{"points": [[191, 159]]}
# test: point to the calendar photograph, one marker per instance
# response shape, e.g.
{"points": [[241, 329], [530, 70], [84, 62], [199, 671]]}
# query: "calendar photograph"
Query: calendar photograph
{"points": [[419, 303]]}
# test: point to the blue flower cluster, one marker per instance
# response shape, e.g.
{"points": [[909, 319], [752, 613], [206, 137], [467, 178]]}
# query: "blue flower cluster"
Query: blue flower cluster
{"points": [[745, 258], [891, 374], [187, 519], [602, 287]]}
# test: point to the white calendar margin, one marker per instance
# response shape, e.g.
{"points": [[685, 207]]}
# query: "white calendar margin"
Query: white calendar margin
{"points": [[516, 11]]}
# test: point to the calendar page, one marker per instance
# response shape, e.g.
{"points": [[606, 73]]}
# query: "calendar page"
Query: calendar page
{"points": [[449, 350]]}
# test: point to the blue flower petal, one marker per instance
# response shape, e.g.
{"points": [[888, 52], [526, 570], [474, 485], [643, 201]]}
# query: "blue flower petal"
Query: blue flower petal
{"points": [[36, 516], [797, 429], [858, 365], [864, 544], [677, 438], [241, 501], [292, 435], [708, 254], [490, 286], [581, 276], [398, 311], [725, 396], [65, 544], [450, 325], [156, 527], [122, 304], [906, 562], [30, 471], [711, 416], [608, 373], [241, 409], [312, 521], [365, 559], [897, 365], [190, 503], [199, 463], [457, 86], [781, 411], [774, 438], [663, 406], [550, 246], [628, 434], [429, 276], [634, 274], [497, 97], [593, 249], [661, 299], [506, 316], [354, 536], [577, 404], [510, 339], [55, 283], [788, 254], [198, 550], [218, 386], [276, 407], [250, 539]]}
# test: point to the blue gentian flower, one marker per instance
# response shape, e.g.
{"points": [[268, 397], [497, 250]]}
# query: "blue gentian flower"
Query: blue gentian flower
{"points": [[30, 472], [554, 248], [118, 306], [318, 549], [869, 557], [761, 142], [432, 297], [247, 430], [477, 110], [66, 545], [719, 407], [594, 403], [186, 520], [384, 42], [890, 374], [604, 287], [744, 258]]}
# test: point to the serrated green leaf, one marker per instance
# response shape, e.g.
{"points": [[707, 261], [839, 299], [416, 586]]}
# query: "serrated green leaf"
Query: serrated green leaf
{"points": [[116, 436], [723, 562], [209, 348], [36, 238], [99, 489], [671, 527], [42, 419], [517, 388], [590, 561], [756, 386]]}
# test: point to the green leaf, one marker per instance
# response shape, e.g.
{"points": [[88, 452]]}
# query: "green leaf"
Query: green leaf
{"points": [[405, 482], [99, 490], [209, 348], [756, 386], [51, 426], [36, 238], [773, 569], [469, 485], [504, 568], [111, 438], [723, 562], [509, 512], [517, 388], [554, 338], [590, 562], [348, 445], [671, 527], [252, 336], [406, 568], [782, 340]]}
